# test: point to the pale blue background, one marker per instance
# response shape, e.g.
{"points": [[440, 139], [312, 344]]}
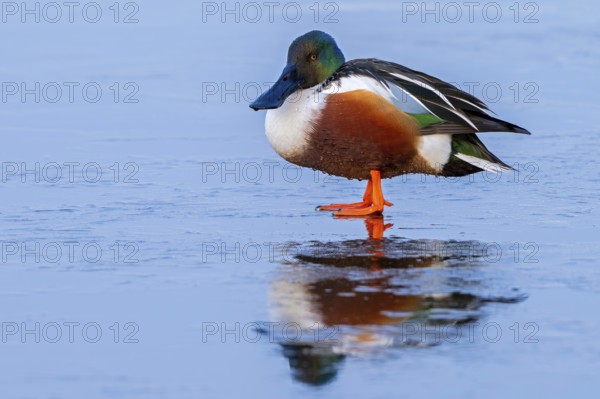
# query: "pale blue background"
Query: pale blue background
{"points": [[171, 54]]}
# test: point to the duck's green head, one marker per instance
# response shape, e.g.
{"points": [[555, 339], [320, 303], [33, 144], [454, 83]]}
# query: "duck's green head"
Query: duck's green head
{"points": [[312, 58]]}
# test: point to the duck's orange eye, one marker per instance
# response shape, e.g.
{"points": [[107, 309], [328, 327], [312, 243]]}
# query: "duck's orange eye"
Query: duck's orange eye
{"points": [[313, 57]]}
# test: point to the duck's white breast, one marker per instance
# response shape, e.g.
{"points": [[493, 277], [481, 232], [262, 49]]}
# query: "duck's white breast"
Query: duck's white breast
{"points": [[288, 126]]}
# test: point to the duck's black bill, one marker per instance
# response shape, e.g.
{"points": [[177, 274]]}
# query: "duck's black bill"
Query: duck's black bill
{"points": [[287, 84]]}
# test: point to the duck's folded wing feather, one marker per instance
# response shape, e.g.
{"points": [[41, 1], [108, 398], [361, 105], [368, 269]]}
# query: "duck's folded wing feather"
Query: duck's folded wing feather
{"points": [[440, 107]]}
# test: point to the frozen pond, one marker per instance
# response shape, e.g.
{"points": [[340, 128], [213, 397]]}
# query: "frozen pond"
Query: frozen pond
{"points": [[153, 244]]}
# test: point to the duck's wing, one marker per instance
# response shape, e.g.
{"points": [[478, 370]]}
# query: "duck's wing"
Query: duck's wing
{"points": [[438, 106]]}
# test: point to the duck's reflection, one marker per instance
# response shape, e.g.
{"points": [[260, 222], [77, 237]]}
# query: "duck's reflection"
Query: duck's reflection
{"points": [[359, 296]]}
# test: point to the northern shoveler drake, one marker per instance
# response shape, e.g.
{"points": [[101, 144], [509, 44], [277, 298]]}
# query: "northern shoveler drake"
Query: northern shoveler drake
{"points": [[372, 119]]}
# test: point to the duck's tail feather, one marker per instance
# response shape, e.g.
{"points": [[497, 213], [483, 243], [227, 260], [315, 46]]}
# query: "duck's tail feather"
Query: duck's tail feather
{"points": [[469, 155]]}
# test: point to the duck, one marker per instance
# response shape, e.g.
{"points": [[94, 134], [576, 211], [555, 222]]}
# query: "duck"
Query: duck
{"points": [[370, 119]]}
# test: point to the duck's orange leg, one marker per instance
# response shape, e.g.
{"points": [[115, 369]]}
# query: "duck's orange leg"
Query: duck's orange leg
{"points": [[378, 202], [373, 201], [367, 200]]}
